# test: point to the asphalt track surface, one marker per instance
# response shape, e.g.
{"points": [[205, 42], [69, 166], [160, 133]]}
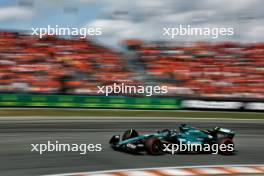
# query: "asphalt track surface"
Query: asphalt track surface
{"points": [[16, 136]]}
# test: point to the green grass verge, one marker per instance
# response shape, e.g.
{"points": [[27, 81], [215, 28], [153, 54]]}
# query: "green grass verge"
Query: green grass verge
{"points": [[127, 113]]}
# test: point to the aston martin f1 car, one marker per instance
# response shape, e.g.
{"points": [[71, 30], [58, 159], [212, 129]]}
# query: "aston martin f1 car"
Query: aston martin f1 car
{"points": [[170, 141]]}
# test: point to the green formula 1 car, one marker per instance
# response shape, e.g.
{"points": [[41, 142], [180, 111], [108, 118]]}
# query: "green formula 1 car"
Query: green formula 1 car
{"points": [[186, 139]]}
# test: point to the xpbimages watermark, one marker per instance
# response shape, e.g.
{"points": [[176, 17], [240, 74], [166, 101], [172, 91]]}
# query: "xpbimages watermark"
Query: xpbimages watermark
{"points": [[188, 30], [130, 89], [66, 31], [56, 146], [197, 147]]}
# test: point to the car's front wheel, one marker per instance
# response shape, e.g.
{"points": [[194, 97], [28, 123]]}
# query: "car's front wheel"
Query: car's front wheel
{"points": [[130, 134]]}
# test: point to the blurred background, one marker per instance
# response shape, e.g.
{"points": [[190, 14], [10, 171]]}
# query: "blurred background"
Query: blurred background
{"points": [[59, 75], [132, 49]]}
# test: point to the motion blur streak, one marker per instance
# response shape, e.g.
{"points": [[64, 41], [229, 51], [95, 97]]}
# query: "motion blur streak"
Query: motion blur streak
{"points": [[16, 136]]}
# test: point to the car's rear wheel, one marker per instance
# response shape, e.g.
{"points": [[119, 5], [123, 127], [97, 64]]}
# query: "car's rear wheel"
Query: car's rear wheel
{"points": [[130, 134], [229, 146], [153, 146]]}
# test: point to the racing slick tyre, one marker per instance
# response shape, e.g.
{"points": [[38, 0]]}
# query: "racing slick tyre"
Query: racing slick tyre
{"points": [[153, 146], [228, 143], [114, 140], [130, 134]]}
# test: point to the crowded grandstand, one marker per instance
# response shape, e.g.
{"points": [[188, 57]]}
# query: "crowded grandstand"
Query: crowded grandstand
{"points": [[29, 64]]}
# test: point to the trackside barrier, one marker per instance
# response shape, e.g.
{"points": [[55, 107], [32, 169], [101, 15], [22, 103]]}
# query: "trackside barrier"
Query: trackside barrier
{"points": [[231, 104], [79, 101], [122, 102]]}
